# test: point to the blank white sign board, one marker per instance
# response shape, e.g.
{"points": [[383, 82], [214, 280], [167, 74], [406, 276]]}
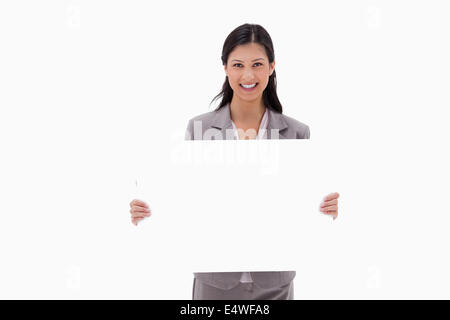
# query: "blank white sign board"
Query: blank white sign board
{"points": [[238, 205]]}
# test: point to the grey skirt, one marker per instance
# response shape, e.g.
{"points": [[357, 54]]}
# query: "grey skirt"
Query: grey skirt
{"points": [[242, 291]]}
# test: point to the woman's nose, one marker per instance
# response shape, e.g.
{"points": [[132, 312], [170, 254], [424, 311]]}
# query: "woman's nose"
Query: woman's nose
{"points": [[247, 75]]}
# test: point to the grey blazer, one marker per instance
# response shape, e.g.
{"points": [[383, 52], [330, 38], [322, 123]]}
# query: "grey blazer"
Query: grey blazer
{"points": [[216, 125]]}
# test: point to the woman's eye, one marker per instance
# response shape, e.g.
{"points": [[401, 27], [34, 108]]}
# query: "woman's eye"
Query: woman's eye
{"points": [[238, 64]]}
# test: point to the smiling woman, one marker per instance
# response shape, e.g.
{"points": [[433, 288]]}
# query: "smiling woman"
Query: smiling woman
{"points": [[248, 110]]}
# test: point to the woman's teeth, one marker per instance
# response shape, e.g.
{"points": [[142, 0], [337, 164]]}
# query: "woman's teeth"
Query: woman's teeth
{"points": [[248, 86]]}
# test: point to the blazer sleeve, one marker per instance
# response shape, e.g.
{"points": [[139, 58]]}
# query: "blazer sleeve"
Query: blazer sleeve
{"points": [[303, 132], [189, 135], [307, 133]]}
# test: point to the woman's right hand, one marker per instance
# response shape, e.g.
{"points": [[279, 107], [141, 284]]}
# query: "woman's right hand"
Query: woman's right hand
{"points": [[139, 210]]}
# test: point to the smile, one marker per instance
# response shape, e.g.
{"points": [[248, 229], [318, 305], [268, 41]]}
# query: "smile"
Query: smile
{"points": [[248, 87]]}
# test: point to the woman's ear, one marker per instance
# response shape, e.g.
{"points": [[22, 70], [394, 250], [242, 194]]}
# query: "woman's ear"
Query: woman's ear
{"points": [[225, 68], [272, 67]]}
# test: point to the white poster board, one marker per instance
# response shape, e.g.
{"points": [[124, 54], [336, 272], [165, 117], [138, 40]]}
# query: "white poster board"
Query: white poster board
{"points": [[238, 205]]}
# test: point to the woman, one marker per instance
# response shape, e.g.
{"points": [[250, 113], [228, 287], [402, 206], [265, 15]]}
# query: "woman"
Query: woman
{"points": [[249, 109]]}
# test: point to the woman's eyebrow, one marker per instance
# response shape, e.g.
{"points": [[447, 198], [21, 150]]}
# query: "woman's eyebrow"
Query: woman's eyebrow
{"points": [[243, 61]]}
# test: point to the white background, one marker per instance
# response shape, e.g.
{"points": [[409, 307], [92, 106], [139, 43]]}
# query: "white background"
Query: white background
{"points": [[91, 92]]}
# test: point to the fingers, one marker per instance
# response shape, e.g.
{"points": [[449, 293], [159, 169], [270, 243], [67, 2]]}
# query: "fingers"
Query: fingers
{"points": [[138, 214], [329, 203], [331, 196], [139, 203], [139, 210], [329, 208]]}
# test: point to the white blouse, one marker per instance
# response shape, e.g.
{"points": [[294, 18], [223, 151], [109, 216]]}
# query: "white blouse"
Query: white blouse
{"points": [[246, 276]]}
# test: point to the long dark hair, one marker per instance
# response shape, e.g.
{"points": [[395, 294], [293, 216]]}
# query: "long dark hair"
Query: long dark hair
{"points": [[250, 33]]}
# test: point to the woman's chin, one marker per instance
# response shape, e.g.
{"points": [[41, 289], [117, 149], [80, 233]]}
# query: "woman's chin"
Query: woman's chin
{"points": [[250, 97]]}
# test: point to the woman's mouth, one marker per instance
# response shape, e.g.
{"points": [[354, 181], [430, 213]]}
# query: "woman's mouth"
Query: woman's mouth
{"points": [[248, 87]]}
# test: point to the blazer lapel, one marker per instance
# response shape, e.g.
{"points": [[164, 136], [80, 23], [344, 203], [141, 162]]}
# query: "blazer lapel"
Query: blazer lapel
{"points": [[222, 120], [276, 121]]}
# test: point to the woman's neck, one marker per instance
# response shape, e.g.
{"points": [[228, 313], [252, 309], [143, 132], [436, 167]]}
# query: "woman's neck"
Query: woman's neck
{"points": [[246, 112]]}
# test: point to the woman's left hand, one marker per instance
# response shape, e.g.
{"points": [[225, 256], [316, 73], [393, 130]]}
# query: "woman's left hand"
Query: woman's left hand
{"points": [[329, 205]]}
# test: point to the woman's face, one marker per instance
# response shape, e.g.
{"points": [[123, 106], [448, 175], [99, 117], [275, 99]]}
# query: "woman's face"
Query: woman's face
{"points": [[248, 65]]}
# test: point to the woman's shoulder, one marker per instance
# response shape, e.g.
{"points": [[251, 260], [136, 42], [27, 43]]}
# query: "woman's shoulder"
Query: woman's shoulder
{"points": [[199, 124], [294, 123], [294, 129]]}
